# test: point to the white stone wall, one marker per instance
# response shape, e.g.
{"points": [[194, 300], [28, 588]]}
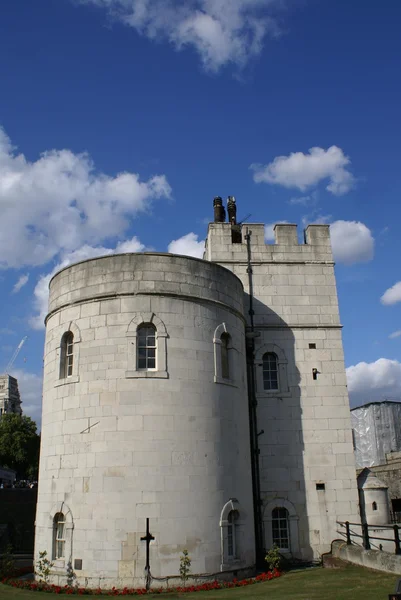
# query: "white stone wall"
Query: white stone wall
{"points": [[307, 436], [118, 447], [376, 506]]}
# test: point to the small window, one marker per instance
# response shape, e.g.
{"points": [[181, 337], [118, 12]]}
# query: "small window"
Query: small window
{"points": [[320, 487], [225, 366], [312, 346], [280, 529], [146, 358], [270, 372], [59, 536], [374, 505], [67, 355], [233, 517]]}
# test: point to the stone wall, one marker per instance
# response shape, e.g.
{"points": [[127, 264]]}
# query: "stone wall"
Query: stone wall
{"points": [[307, 463], [372, 559], [120, 445]]}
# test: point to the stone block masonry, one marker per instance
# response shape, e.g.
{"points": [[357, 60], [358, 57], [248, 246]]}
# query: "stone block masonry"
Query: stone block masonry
{"points": [[306, 445], [119, 446], [153, 366]]}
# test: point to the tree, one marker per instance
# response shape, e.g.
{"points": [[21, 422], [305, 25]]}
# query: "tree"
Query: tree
{"points": [[19, 445]]}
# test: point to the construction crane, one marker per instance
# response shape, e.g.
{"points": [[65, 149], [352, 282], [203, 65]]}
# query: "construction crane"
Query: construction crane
{"points": [[14, 356]]}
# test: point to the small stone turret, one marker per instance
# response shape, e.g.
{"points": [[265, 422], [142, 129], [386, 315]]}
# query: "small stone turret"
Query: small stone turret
{"points": [[373, 498]]}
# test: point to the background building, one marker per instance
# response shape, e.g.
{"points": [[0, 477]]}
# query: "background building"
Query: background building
{"points": [[10, 401], [376, 429], [208, 395]]}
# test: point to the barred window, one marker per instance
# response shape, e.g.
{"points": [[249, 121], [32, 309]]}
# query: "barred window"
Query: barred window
{"points": [[67, 355], [280, 529], [270, 371], [146, 346], [59, 536]]}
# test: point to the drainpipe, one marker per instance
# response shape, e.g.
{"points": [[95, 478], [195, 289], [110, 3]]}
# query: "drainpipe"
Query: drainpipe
{"points": [[252, 403]]}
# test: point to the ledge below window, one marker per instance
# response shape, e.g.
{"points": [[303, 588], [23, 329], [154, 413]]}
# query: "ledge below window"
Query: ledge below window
{"points": [[65, 380], [232, 565], [274, 394], [146, 375], [229, 382]]}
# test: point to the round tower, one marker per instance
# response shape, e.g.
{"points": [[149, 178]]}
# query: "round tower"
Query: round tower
{"points": [[373, 495], [145, 415]]}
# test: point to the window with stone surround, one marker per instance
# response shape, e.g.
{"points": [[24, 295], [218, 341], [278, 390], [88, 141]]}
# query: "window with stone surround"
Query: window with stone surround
{"points": [[280, 528], [270, 372], [231, 530], [233, 517], [59, 536], [67, 355], [224, 356], [147, 347]]}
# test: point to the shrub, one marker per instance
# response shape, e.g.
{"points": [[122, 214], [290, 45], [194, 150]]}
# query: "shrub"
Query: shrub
{"points": [[7, 563], [43, 566], [274, 558], [185, 565]]}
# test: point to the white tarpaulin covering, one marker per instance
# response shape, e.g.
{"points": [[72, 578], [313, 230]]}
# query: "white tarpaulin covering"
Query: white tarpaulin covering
{"points": [[377, 431]]}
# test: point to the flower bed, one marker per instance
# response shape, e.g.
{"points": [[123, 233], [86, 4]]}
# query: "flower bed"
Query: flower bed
{"points": [[35, 586]]}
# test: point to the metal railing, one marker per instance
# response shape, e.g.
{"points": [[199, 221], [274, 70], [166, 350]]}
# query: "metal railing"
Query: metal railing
{"points": [[365, 536]]}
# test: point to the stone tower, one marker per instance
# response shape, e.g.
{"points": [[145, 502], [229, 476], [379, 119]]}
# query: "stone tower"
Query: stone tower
{"points": [[303, 461], [145, 415], [10, 400]]}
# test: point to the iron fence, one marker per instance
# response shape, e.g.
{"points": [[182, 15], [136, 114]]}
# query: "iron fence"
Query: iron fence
{"points": [[364, 536]]}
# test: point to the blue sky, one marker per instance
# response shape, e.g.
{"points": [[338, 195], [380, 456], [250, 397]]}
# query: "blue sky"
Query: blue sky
{"points": [[121, 119]]}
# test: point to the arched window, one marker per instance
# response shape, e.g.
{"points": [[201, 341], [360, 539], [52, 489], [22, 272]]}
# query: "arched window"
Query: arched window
{"points": [[67, 355], [280, 528], [374, 505], [232, 519], [270, 371], [59, 536], [146, 347], [225, 364]]}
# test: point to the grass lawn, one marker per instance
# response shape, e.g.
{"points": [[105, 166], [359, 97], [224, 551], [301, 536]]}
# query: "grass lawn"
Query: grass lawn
{"points": [[347, 583]]}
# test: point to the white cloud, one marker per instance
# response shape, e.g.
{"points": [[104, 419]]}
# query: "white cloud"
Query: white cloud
{"points": [[352, 242], [221, 31], [392, 295], [41, 292], [187, 245], [30, 388], [303, 171], [20, 283], [394, 335], [369, 382], [59, 202]]}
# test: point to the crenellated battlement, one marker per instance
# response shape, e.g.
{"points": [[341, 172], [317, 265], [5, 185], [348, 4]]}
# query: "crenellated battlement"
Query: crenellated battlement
{"points": [[225, 242]]}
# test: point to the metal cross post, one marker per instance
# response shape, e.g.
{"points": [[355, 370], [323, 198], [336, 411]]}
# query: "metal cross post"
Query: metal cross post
{"points": [[147, 538]]}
